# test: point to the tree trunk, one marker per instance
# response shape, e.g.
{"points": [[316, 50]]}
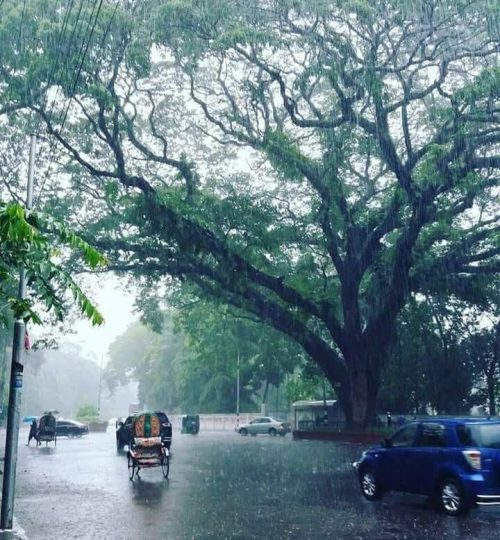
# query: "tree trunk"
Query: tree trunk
{"points": [[357, 389], [354, 391], [362, 386]]}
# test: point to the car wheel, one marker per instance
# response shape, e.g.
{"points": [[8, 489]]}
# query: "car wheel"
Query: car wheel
{"points": [[272, 432], [451, 497], [244, 432], [369, 484], [282, 433]]}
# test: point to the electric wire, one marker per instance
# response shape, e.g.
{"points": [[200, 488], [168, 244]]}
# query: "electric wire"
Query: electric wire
{"points": [[52, 77], [51, 70], [54, 71], [72, 85], [57, 47], [84, 50]]}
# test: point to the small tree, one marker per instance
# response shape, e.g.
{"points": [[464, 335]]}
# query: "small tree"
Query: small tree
{"points": [[87, 413]]}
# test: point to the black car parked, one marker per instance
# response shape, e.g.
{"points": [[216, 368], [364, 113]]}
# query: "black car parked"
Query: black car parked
{"points": [[123, 428], [71, 428]]}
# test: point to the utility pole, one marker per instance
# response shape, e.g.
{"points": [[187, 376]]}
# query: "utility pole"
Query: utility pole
{"points": [[238, 391], [16, 384], [325, 409], [100, 385]]}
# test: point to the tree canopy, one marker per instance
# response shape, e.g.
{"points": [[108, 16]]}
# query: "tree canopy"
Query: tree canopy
{"points": [[315, 164]]}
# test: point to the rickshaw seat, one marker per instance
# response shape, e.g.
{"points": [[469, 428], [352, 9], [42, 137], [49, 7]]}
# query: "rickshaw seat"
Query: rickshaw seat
{"points": [[146, 431], [147, 442]]}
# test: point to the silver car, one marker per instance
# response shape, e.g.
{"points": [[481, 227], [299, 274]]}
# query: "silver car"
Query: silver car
{"points": [[264, 424]]}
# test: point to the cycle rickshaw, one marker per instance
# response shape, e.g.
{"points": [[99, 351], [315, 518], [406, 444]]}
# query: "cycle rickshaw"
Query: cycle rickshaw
{"points": [[47, 429], [146, 448], [190, 424]]}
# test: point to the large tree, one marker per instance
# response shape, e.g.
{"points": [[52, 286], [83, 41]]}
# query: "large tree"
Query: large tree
{"points": [[371, 130]]}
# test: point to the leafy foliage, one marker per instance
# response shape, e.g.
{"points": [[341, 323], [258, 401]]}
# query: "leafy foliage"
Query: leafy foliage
{"points": [[369, 133], [29, 241], [87, 413]]}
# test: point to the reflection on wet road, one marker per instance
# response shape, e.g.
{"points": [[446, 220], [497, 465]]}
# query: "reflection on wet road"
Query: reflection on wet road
{"points": [[221, 486]]}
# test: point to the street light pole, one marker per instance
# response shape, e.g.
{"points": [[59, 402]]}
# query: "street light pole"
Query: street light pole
{"points": [[16, 384]]}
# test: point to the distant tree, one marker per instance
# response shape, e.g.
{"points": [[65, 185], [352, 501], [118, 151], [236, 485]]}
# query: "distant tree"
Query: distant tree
{"points": [[308, 383], [218, 338], [192, 362], [440, 361], [62, 379], [87, 413], [483, 351]]}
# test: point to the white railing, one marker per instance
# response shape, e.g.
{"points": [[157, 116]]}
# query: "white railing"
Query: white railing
{"points": [[216, 422]]}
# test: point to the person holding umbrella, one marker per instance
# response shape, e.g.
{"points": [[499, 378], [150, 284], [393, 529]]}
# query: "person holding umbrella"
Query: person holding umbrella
{"points": [[33, 432]]}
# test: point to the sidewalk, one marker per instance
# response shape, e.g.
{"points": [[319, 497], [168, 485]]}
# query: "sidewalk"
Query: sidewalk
{"points": [[17, 532]]}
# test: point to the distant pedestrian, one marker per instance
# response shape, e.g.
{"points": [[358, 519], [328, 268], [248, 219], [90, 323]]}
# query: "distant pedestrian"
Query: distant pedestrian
{"points": [[389, 419], [33, 432]]}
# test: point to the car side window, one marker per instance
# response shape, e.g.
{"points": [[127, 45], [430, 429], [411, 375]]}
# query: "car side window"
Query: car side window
{"points": [[405, 436], [431, 435], [265, 420], [465, 436]]}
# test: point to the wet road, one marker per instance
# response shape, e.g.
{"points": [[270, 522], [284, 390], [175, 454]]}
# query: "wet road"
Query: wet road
{"points": [[221, 486]]}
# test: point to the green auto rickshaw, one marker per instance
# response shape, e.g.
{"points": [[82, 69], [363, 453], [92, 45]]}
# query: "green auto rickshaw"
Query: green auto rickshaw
{"points": [[190, 424]]}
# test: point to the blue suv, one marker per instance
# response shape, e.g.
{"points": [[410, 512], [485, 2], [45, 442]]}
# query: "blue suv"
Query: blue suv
{"points": [[455, 461]]}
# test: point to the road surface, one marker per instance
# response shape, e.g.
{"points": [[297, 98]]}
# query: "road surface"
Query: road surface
{"points": [[221, 486]]}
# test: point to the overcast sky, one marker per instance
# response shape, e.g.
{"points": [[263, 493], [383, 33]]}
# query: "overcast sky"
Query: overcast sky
{"points": [[116, 305]]}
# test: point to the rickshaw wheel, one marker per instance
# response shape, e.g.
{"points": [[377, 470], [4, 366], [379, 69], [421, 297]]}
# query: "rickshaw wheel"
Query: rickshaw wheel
{"points": [[165, 466], [131, 467]]}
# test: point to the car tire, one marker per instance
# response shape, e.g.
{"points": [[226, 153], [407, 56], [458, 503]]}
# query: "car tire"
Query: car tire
{"points": [[272, 432], [451, 497], [244, 432], [370, 487]]}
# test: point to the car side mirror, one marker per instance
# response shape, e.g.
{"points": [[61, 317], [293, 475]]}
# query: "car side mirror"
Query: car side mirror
{"points": [[120, 424], [386, 443]]}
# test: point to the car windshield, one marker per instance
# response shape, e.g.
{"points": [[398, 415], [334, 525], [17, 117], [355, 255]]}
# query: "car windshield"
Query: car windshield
{"points": [[483, 435]]}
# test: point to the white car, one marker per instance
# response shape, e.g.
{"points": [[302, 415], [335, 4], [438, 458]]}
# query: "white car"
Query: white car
{"points": [[264, 424]]}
